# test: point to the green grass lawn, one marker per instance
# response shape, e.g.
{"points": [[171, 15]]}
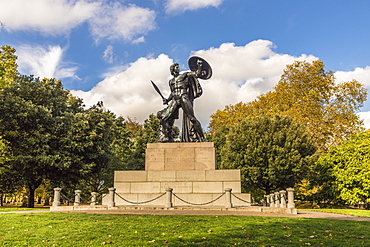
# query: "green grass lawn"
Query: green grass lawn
{"points": [[354, 212], [77, 229], [18, 208]]}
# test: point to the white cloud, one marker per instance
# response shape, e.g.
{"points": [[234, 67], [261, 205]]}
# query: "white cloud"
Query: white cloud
{"points": [[362, 75], [365, 116], [130, 93], [240, 73], [116, 21], [139, 40], [108, 54], [44, 62], [107, 20], [46, 16], [179, 6]]}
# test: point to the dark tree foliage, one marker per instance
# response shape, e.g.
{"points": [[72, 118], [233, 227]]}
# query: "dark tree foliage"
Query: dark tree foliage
{"points": [[148, 133], [36, 117], [271, 152]]}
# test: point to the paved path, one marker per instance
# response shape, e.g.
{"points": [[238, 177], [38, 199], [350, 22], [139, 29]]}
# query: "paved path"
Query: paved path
{"points": [[301, 214]]}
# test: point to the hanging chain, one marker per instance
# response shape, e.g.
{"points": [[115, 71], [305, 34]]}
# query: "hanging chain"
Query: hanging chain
{"points": [[151, 200], [198, 204], [239, 198]]}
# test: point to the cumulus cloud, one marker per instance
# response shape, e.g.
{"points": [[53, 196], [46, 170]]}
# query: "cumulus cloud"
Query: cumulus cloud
{"points": [[46, 16], [106, 20], [240, 73], [362, 75], [179, 6], [115, 21], [44, 62], [130, 93]]}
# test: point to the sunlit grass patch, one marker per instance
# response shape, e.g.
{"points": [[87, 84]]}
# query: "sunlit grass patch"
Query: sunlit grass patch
{"points": [[76, 229], [354, 212]]}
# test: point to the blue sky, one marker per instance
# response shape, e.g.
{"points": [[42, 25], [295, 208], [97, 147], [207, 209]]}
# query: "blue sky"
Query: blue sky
{"points": [[110, 50]]}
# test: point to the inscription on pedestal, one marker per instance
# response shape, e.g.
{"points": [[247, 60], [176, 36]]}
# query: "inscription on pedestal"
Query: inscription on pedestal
{"points": [[178, 187], [180, 156]]}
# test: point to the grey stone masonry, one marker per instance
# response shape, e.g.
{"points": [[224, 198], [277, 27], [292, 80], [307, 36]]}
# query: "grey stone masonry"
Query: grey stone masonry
{"points": [[189, 169]]}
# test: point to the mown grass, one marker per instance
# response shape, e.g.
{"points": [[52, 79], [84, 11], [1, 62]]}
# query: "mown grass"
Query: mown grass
{"points": [[76, 229], [19, 208], [354, 212]]}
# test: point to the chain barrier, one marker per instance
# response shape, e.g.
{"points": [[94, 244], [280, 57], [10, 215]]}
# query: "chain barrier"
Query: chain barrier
{"points": [[239, 198], [198, 204], [81, 200], [151, 200], [66, 198]]}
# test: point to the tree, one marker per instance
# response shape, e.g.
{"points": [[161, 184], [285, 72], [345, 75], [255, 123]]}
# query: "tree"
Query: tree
{"points": [[344, 172], [148, 133], [36, 121], [307, 93], [98, 140], [8, 66], [4, 154], [271, 153]]}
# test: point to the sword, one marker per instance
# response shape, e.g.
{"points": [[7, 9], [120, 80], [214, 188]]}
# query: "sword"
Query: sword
{"points": [[157, 89]]}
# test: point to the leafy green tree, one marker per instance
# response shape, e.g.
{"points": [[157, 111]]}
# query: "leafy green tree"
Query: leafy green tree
{"points": [[35, 120], [148, 133], [271, 153], [102, 136], [343, 173], [10, 183], [4, 154], [8, 66], [309, 94]]}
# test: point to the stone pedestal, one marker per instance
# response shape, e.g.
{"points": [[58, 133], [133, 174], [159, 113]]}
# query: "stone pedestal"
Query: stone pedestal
{"points": [[180, 156], [188, 168]]}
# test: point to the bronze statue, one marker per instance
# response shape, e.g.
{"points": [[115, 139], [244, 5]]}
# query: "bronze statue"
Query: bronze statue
{"points": [[185, 88]]}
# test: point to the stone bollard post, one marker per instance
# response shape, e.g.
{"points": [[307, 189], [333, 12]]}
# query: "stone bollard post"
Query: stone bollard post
{"points": [[272, 200], [77, 201], [228, 198], [168, 203], [56, 201], [291, 203], [268, 200], [277, 201], [282, 198], [111, 202], [93, 198]]}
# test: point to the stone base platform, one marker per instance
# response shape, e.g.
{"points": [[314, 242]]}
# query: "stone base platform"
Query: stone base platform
{"points": [[174, 210]]}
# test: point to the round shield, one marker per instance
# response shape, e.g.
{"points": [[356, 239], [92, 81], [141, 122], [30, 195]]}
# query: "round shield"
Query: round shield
{"points": [[205, 69]]}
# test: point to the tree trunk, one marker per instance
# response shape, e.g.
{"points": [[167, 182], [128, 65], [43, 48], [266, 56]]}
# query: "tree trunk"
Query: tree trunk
{"points": [[1, 200], [47, 201], [31, 197]]}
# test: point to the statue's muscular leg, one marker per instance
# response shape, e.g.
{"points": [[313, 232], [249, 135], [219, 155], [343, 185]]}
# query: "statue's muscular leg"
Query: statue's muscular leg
{"points": [[188, 110], [166, 123]]}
